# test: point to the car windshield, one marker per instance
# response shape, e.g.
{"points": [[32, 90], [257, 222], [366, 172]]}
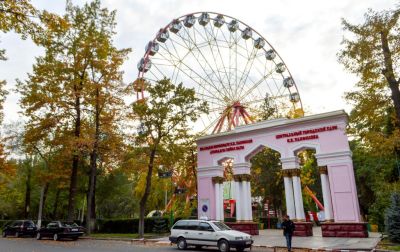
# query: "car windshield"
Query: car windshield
{"points": [[221, 226], [69, 224]]}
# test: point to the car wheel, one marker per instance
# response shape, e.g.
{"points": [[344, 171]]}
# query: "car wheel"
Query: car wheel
{"points": [[74, 238], [223, 246], [4, 234], [17, 235], [181, 244], [55, 237], [239, 249], [38, 236]]}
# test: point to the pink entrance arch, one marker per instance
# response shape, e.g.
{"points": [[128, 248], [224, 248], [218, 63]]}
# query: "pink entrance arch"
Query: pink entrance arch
{"points": [[326, 133]]}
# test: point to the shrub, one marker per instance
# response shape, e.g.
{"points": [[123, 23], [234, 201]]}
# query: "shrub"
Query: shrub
{"points": [[127, 225], [230, 219], [392, 218], [4, 222]]}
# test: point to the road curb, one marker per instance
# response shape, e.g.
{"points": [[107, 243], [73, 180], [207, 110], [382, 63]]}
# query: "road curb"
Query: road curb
{"points": [[136, 241], [104, 238], [274, 248], [278, 248]]}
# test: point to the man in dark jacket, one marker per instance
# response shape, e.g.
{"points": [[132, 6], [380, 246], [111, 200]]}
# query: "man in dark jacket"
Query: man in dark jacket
{"points": [[288, 229]]}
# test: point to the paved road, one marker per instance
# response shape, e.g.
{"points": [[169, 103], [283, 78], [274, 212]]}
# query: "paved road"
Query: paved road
{"points": [[32, 245]]}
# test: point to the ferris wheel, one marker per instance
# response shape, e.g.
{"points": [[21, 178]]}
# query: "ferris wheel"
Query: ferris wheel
{"points": [[230, 66]]}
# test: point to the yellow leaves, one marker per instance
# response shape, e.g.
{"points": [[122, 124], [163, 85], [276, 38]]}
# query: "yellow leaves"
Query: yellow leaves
{"points": [[308, 170], [296, 113], [16, 15], [54, 23], [371, 52], [7, 170], [380, 144]]}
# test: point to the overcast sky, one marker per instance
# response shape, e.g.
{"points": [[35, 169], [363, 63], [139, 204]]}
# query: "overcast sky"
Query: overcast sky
{"points": [[307, 34]]}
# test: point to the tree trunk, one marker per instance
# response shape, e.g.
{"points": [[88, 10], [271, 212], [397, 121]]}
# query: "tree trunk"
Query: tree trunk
{"points": [[75, 160], [46, 190], [55, 206], [42, 200], [72, 188], [90, 215], [389, 75], [146, 192], [90, 197], [93, 214], [28, 191]]}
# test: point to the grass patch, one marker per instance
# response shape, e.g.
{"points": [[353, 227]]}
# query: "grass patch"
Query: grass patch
{"points": [[388, 245], [392, 248], [127, 236]]}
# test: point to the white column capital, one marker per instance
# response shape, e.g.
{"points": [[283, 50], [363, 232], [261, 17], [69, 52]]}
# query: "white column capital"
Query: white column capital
{"points": [[324, 159], [290, 163], [210, 171], [241, 168]]}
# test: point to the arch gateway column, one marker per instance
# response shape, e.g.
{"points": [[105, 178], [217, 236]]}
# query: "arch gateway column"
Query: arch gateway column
{"points": [[242, 177], [326, 133], [326, 193], [294, 196], [293, 193], [208, 183]]}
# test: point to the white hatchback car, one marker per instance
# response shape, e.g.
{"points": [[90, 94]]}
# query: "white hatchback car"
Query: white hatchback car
{"points": [[201, 233]]}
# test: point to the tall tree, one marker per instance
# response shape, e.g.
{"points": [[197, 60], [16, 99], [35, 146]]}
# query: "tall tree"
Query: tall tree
{"points": [[104, 100], [14, 16], [73, 86], [372, 53], [164, 118], [3, 94]]}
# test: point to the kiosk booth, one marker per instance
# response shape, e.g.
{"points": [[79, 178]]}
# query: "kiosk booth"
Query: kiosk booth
{"points": [[325, 133]]}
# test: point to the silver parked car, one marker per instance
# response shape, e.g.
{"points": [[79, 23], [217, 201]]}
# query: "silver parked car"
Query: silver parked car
{"points": [[201, 233]]}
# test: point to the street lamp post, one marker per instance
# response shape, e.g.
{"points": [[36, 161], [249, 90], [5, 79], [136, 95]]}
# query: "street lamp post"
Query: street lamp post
{"points": [[164, 175], [177, 191]]}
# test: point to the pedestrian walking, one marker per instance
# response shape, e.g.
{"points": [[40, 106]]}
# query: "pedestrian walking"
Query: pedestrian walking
{"points": [[288, 229]]}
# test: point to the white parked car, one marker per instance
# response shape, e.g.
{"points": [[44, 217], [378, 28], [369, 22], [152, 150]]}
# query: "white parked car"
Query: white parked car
{"points": [[201, 233]]}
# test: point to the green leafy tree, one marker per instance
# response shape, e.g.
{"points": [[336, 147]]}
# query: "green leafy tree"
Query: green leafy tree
{"points": [[310, 178], [393, 218], [164, 118], [114, 195], [267, 110], [371, 51], [267, 180]]}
